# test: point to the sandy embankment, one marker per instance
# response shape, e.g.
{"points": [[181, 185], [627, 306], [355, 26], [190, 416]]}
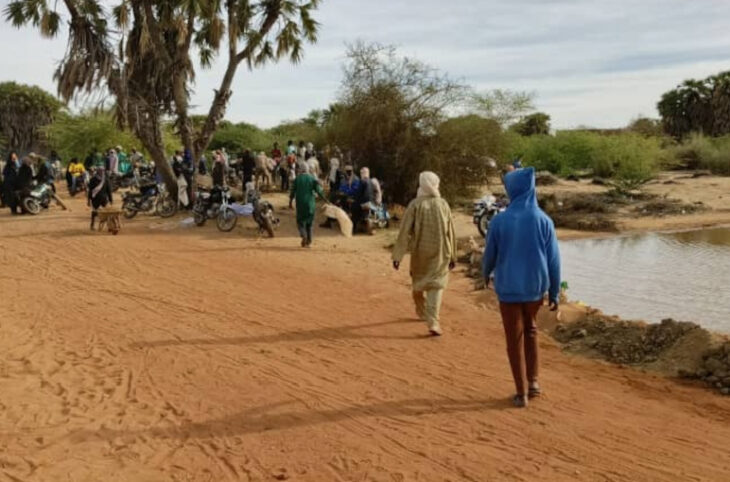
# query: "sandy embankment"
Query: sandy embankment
{"points": [[188, 354]]}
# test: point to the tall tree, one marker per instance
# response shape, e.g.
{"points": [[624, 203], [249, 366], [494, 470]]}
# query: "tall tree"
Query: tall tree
{"points": [[24, 110], [533, 125], [146, 61], [504, 106], [701, 106]]}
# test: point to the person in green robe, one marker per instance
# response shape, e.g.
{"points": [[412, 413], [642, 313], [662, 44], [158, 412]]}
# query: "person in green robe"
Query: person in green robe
{"points": [[303, 191]]}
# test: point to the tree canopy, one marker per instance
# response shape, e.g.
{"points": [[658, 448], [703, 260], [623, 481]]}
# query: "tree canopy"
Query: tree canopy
{"points": [[701, 106], [24, 109], [141, 51]]}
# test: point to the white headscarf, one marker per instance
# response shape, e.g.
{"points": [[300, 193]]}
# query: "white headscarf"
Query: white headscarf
{"points": [[364, 173], [428, 185], [334, 166]]}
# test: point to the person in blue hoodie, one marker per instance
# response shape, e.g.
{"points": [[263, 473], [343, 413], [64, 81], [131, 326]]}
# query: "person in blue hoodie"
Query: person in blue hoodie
{"points": [[522, 250]]}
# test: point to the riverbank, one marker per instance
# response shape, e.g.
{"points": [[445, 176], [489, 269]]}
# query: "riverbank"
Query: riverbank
{"points": [[174, 353], [707, 196]]}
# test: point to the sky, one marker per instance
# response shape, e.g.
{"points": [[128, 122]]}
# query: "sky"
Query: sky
{"points": [[589, 63]]}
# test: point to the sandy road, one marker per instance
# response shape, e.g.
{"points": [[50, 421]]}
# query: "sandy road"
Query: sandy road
{"points": [[188, 354]]}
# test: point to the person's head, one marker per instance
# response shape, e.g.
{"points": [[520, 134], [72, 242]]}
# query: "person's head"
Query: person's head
{"points": [[74, 160], [301, 143], [134, 151], [334, 163], [118, 148], [509, 168], [428, 185], [99, 173], [302, 168], [13, 156], [365, 173], [54, 154], [276, 145], [27, 160], [349, 170], [290, 142]]}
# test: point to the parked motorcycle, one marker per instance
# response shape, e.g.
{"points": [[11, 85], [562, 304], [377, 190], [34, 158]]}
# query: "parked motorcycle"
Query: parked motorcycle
{"points": [[38, 198], [150, 197], [122, 181], [484, 211], [214, 203], [263, 213]]}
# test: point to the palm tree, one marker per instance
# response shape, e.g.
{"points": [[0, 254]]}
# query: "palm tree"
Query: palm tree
{"points": [[140, 52]]}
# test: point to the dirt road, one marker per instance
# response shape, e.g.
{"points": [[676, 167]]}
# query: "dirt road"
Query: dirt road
{"points": [[168, 353]]}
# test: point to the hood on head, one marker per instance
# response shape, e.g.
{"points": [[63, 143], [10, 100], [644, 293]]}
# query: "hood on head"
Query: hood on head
{"points": [[520, 187]]}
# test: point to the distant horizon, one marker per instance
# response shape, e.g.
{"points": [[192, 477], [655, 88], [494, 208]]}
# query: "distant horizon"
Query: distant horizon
{"points": [[591, 65]]}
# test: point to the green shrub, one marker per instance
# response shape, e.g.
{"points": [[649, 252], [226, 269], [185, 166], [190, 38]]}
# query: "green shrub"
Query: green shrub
{"points": [[626, 155], [702, 152]]}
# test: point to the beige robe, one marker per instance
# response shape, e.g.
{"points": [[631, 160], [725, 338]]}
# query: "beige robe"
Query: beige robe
{"points": [[427, 233]]}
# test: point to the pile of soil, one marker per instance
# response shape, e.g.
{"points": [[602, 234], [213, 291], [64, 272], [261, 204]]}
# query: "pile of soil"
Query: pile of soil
{"points": [[714, 369], [674, 348], [667, 207], [583, 212]]}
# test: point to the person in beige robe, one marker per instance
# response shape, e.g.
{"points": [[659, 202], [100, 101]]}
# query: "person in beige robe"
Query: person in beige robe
{"points": [[427, 233]]}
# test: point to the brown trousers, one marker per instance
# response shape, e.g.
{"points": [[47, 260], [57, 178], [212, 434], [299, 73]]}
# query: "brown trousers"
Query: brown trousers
{"points": [[520, 330]]}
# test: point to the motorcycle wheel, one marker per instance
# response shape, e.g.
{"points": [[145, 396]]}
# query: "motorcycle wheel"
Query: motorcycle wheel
{"points": [[199, 218], [268, 226], [31, 205], [167, 207], [128, 211], [483, 224], [226, 220]]}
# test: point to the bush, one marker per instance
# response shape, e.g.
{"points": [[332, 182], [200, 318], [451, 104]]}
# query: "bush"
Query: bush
{"points": [[77, 135], [702, 152], [237, 137], [625, 156]]}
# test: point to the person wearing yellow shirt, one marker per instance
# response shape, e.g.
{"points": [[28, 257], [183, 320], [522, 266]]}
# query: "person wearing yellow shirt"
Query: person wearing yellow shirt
{"points": [[75, 175]]}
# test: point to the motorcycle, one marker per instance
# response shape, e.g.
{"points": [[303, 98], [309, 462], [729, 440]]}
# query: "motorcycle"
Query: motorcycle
{"points": [[150, 197], [263, 213], [214, 203], [484, 211], [378, 217], [122, 181], [38, 198]]}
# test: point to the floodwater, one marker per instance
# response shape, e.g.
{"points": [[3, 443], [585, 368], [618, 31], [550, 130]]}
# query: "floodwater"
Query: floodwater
{"points": [[683, 275]]}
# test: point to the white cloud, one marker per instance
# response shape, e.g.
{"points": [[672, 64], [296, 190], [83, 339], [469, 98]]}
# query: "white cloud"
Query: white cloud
{"points": [[590, 62]]}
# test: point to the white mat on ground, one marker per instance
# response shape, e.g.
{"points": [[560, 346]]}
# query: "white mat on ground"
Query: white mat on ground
{"points": [[242, 209], [332, 211]]}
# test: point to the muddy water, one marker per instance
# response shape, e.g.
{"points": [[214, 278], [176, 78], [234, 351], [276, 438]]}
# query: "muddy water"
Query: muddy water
{"points": [[685, 276]]}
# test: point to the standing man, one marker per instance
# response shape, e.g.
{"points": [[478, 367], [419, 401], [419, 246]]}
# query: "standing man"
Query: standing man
{"points": [[522, 250], [99, 193], [303, 190], [248, 165], [362, 202], [427, 232]]}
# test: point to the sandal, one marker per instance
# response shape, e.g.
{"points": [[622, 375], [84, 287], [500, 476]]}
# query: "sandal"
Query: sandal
{"points": [[534, 391], [519, 401]]}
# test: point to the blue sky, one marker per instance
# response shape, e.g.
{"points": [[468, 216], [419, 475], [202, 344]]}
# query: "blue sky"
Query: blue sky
{"points": [[589, 62]]}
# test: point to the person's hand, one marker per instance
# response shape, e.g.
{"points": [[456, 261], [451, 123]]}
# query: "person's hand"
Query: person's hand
{"points": [[396, 265], [452, 265], [553, 305]]}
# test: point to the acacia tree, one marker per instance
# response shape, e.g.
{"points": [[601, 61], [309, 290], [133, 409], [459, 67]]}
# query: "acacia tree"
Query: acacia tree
{"points": [[141, 52], [24, 110]]}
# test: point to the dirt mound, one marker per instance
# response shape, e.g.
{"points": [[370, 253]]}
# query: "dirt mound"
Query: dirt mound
{"points": [[674, 348], [714, 369], [667, 207]]}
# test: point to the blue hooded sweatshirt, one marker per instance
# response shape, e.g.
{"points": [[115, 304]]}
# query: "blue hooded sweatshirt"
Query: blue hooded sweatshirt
{"points": [[522, 248]]}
